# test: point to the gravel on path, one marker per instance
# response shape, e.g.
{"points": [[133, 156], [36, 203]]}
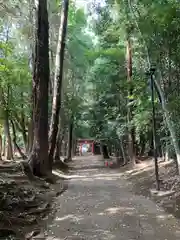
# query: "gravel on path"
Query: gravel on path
{"points": [[99, 205]]}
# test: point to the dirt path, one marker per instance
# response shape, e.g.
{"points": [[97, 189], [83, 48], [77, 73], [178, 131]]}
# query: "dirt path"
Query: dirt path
{"points": [[100, 205]]}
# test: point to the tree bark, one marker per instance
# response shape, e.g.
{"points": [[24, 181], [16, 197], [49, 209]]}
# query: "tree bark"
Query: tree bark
{"points": [[56, 105], [1, 147], [4, 146], [131, 137], [70, 140], [39, 155], [59, 144], [104, 151], [142, 145], [15, 142], [123, 152], [21, 126], [33, 19], [30, 136], [8, 148]]}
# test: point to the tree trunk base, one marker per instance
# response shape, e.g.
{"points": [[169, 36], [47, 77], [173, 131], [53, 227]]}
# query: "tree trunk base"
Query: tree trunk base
{"points": [[60, 164], [66, 160], [36, 166]]}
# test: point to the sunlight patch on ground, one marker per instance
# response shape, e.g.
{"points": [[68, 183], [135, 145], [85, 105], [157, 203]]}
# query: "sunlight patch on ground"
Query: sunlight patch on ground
{"points": [[108, 175], [70, 216], [101, 214], [145, 166], [87, 180], [54, 238], [87, 170], [78, 176], [114, 210], [97, 176], [63, 218], [164, 216], [106, 178], [107, 235], [60, 174]]}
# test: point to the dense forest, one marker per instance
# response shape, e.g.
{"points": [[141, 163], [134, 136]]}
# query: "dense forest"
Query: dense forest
{"points": [[104, 70], [72, 71]]}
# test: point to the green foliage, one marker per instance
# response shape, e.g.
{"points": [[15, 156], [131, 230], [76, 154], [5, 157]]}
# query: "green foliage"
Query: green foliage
{"points": [[107, 74], [95, 86]]}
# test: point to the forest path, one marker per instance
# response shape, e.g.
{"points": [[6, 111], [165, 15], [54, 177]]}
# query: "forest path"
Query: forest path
{"points": [[100, 205]]}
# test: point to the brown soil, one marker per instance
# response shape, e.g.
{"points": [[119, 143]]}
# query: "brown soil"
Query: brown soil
{"points": [[100, 204], [24, 202], [142, 178]]}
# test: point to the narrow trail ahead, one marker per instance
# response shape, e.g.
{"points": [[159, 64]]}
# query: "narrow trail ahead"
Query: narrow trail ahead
{"points": [[99, 205]]}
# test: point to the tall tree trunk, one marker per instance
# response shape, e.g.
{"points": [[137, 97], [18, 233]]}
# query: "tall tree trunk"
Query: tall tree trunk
{"points": [[33, 19], [33, 101], [104, 151], [8, 149], [57, 149], [74, 146], [131, 137], [57, 155], [23, 123], [1, 147], [30, 136], [21, 126], [4, 146], [15, 142], [142, 145], [123, 152], [60, 138], [58, 76], [70, 140], [64, 145], [170, 125], [39, 155]]}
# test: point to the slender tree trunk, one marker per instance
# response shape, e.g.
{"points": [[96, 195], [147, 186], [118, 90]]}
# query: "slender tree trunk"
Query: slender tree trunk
{"points": [[34, 20], [166, 154], [104, 151], [21, 126], [123, 152], [30, 136], [170, 125], [39, 155], [4, 146], [57, 149], [70, 140], [1, 147], [58, 77], [22, 121], [59, 144], [33, 102], [64, 148], [8, 149], [142, 145], [131, 137], [15, 142]]}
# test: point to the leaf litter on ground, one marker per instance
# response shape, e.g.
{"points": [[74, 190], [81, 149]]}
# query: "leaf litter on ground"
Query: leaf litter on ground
{"points": [[142, 178], [24, 202]]}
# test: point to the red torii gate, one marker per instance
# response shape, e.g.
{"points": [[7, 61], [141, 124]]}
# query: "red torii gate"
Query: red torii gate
{"points": [[86, 141], [95, 145]]}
